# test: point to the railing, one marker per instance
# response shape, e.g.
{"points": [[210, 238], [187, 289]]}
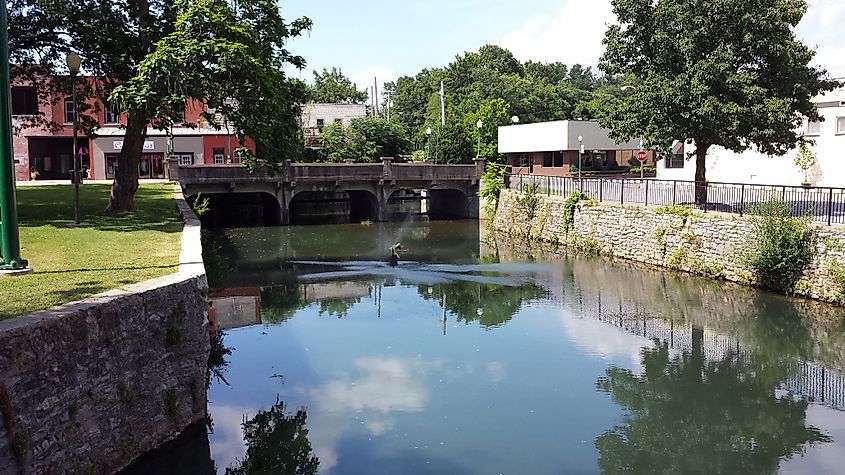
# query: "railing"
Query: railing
{"points": [[823, 205]]}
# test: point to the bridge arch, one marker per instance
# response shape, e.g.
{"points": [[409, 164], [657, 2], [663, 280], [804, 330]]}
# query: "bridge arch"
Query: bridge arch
{"points": [[449, 203], [239, 210], [339, 205]]}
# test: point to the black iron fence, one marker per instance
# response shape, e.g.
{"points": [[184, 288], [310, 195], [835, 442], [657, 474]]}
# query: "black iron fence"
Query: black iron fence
{"points": [[823, 205]]}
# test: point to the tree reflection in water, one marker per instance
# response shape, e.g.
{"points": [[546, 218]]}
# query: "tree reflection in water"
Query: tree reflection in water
{"points": [[689, 415], [489, 305], [277, 442]]}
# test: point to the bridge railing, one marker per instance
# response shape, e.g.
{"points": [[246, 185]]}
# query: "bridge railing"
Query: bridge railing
{"points": [[291, 172]]}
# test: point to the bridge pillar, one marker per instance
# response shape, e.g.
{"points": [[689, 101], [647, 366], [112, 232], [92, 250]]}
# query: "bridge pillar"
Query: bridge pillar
{"points": [[283, 195], [382, 195]]}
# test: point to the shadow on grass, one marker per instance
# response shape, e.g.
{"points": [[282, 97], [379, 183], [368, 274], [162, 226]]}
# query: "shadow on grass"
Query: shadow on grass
{"points": [[102, 269], [53, 205]]}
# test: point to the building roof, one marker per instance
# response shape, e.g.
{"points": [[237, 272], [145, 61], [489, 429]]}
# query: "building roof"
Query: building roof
{"points": [[558, 135], [836, 95]]}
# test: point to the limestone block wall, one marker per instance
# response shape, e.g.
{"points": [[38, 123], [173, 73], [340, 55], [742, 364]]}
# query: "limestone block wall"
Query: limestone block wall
{"points": [[705, 244], [89, 386]]}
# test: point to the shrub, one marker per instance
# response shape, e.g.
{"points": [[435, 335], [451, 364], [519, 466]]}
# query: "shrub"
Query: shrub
{"points": [[527, 202], [780, 248], [676, 210], [492, 184], [569, 208]]}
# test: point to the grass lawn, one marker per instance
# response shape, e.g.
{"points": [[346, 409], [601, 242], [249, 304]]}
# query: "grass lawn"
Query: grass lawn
{"points": [[73, 263]]}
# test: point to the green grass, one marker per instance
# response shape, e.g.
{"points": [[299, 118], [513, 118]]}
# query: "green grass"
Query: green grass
{"points": [[73, 263]]}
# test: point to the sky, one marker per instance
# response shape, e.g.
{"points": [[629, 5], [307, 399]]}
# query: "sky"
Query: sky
{"points": [[388, 39]]}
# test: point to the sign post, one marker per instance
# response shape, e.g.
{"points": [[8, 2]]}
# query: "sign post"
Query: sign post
{"points": [[10, 251], [642, 156]]}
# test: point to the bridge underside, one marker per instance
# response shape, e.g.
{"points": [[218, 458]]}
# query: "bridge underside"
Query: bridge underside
{"points": [[366, 200]]}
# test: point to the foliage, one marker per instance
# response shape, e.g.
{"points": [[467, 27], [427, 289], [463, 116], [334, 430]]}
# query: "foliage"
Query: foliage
{"points": [[201, 205], [527, 201], [365, 140], [569, 208], [276, 442], [217, 362], [492, 184], [490, 305], [712, 72], [675, 210], [450, 144], [678, 259], [227, 55], [837, 272], [70, 263], [780, 248], [491, 85], [672, 404], [334, 87], [279, 303], [645, 169], [805, 160], [230, 57]]}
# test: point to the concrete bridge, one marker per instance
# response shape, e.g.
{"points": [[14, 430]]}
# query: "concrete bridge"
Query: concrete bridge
{"points": [[452, 189]]}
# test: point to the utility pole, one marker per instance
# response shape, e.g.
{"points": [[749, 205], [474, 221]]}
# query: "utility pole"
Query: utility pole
{"points": [[375, 94], [388, 106], [10, 249], [442, 106]]}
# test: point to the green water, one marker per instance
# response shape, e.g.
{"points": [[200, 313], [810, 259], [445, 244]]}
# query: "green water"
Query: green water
{"points": [[476, 355]]}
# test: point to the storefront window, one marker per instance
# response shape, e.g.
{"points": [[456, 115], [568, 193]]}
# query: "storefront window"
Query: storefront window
{"points": [[111, 165]]}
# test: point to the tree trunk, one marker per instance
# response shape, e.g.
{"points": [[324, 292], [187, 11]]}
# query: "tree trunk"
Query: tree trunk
{"points": [[701, 173], [122, 197]]}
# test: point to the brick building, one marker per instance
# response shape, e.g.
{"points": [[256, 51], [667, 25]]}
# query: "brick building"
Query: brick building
{"points": [[42, 153]]}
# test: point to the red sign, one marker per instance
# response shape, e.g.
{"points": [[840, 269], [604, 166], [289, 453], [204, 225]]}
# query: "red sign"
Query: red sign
{"points": [[642, 156]]}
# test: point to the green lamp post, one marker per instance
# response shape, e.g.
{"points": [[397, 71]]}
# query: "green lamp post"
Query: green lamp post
{"points": [[10, 250]]}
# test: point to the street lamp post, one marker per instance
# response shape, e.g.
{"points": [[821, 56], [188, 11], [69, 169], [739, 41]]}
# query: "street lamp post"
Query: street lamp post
{"points": [[427, 143], [478, 126], [73, 64], [580, 156], [10, 249]]}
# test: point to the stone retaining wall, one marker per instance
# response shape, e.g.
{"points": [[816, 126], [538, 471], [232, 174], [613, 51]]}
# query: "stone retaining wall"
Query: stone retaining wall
{"points": [[89, 386], [706, 244]]}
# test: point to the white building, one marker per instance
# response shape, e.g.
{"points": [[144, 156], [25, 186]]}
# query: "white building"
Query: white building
{"points": [[752, 166], [317, 115], [550, 148]]}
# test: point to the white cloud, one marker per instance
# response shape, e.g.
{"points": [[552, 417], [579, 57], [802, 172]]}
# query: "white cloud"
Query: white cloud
{"points": [[821, 30], [571, 35], [574, 34], [364, 79]]}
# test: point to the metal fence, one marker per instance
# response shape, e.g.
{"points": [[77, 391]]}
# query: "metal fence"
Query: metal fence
{"points": [[823, 205]]}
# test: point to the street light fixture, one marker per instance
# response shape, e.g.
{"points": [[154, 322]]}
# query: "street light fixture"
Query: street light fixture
{"points": [[515, 119], [478, 125], [580, 156], [427, 143], [74, 62]]}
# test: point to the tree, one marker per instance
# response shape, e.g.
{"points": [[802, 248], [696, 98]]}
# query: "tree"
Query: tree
{"points": [[718, 72], [159, 53], [333, 87], [365, 140]]}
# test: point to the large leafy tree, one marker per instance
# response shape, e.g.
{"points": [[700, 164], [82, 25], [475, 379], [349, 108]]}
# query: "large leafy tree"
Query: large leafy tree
{"points": [[365, 140], [334, 87], [227, 55], [718, 72]]}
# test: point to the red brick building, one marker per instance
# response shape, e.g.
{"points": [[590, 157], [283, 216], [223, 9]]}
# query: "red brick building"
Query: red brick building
{"points": [[44, 154]]}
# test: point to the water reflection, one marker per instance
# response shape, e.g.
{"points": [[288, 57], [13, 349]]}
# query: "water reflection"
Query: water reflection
{"points": [[277, 442], [689, 413], [630, 369]]}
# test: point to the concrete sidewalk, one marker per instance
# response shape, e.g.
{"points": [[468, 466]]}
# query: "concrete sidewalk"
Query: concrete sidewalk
{"points": [[84, 182]]}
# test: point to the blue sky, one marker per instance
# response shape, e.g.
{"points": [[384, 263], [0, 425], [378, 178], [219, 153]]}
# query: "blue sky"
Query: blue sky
{"points": [[394, 38]]}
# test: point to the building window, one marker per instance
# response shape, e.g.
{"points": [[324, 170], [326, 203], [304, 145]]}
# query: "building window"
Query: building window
{"points": [[219, 156], [185, 158], [676, 160], [24, 101], [552, 159], [320, 124], [814, 127], [69, 111], [111, 164], [840, 125], [111, 114]]}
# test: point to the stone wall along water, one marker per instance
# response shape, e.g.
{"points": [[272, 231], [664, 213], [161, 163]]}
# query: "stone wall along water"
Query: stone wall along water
{"points": [[89, 386], [705, 244]]}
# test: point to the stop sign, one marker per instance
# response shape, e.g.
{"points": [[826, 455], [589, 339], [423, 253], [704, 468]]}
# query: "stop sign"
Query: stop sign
{"points": [[642, 155]]}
